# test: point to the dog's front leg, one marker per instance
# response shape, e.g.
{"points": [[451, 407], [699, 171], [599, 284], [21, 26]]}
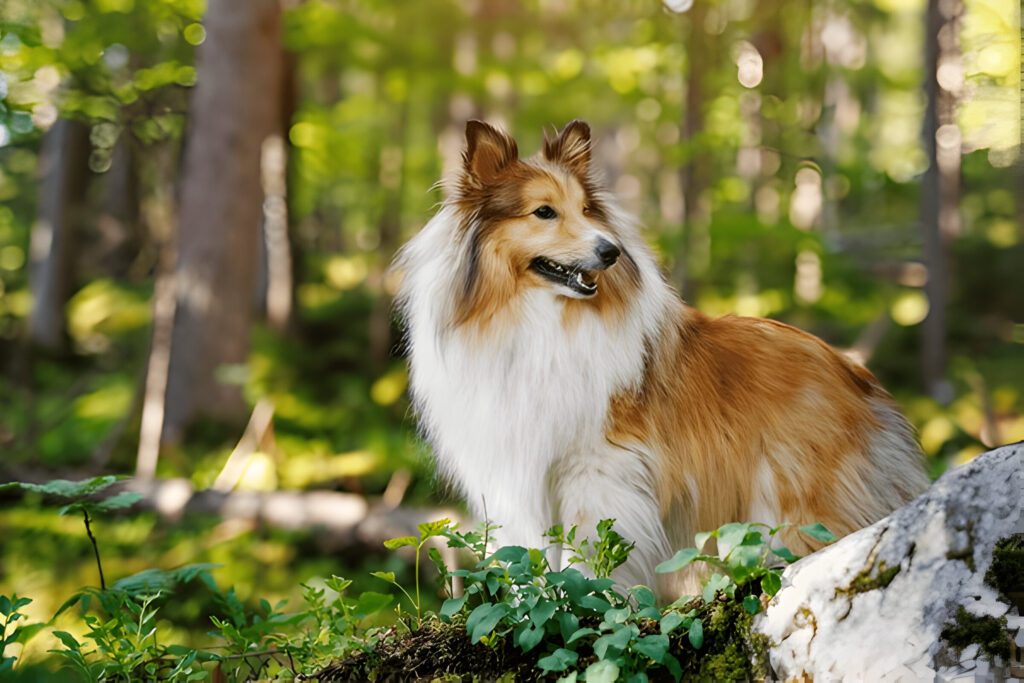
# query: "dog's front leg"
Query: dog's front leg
{"points": [[615, 483]]}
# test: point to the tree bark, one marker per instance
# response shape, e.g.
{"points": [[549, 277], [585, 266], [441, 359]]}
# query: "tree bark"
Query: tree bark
{"points": [[940, 192], [63, 166], [234, 108], [693, 175]]}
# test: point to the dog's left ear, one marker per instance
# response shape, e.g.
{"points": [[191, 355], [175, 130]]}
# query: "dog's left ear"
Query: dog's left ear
{"points": [[571, 148]]}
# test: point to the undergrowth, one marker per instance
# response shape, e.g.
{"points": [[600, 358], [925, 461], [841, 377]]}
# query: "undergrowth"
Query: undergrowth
{"points": [[510, 614]]}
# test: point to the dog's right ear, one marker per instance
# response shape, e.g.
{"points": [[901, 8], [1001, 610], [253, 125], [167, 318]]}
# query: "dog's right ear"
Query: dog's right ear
{"points": [[488, 152]]}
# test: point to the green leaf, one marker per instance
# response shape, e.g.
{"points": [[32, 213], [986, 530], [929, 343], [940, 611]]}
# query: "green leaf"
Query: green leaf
{"points": [[702, 538], [118, 501], [400, 542], [559, 660], [618, 640], [595, 603], [452, 606], [729, 536], [696, 634], [678, 561], [752, 604], [483, 619], [644, 596], [717, 582], [771, 583], [529, 636], [68, 640], [429, 529], [819, 532], [384, 576], [672, 664], [580, 633], [371, 602], [617, 616], [604, 671], [652, 647], [747, 556], [785, 553], [568, 623], [540, 614], [670, 622], [511, 553], [65, 488]]}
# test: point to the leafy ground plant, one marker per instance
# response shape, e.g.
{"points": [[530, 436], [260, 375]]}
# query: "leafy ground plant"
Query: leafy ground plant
{"points": [[83, 497], [748, 553], [519, 617], [508, 613]]}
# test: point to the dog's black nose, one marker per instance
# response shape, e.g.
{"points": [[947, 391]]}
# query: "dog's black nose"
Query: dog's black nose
{"points": [[607, 252]]}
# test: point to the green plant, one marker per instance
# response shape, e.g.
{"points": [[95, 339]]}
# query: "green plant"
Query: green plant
{"points": [[84, 499], [427, 531], [10, 607], [745, 556], [602, 555], [515, 594]]}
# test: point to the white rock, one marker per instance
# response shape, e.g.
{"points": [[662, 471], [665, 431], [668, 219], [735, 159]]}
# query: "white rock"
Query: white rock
{"points": [[835, 616], [969, 653]]}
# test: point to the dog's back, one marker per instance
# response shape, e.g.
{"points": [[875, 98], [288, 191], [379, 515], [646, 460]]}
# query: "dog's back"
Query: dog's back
{"points": [[756, 420]]}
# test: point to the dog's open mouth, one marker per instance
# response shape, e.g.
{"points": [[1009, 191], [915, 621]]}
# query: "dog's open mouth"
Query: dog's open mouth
{"points": [[575, 278]]}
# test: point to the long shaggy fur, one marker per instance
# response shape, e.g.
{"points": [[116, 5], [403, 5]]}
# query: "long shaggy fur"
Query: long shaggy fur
{"points": [[547, 403]]}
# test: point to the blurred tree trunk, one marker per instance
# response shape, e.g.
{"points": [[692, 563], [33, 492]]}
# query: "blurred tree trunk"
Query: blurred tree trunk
{"points": [[940, 192], [120, 237], [275, 291], [64, 168], [234, 108], [693, 175]]}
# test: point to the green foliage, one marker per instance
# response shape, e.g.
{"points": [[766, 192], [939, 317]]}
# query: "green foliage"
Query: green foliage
{"points": [[746, 556], [427, 531], [10, 632], [83, 493], [574, 622]]}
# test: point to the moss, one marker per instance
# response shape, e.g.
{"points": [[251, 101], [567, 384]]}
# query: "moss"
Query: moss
{"points": [[437, 651], [870, 579], [987, 632], [443, 652], [1006, 573], [966, 556]]}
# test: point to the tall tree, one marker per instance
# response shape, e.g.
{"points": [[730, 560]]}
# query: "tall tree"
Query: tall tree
{"points": [[940, 193], [234, 108], [63, 165]]}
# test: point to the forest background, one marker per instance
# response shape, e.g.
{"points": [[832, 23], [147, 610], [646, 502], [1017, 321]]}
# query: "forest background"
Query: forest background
{"points": [[198, 205]]}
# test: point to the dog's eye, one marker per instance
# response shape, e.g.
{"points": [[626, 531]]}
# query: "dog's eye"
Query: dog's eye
{"points": [[545, 212]]}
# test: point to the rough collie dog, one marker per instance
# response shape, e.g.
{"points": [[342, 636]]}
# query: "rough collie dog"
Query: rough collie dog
{"points": [[560, 379]]}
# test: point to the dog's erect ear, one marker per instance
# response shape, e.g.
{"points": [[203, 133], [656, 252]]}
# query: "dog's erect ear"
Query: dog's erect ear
{"points": [[571, 148], [488, 151]]}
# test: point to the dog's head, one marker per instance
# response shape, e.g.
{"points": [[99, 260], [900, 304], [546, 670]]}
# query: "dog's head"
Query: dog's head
{"points": [[538, 222]]}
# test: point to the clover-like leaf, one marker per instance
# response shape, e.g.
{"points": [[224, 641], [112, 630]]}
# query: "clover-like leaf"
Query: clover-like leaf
{"points": [[428, 529], [751, 604], [400, 542], [681, 559], [696, 634], [559, 660], [771, 583], [819, 532]]}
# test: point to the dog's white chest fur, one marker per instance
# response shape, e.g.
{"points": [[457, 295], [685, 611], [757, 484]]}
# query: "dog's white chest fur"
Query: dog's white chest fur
{"points": [[503, 408]]}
